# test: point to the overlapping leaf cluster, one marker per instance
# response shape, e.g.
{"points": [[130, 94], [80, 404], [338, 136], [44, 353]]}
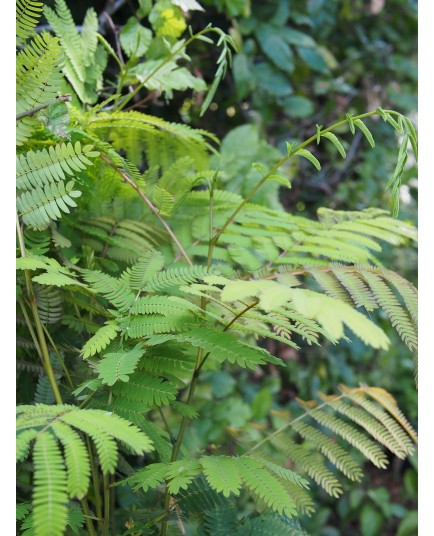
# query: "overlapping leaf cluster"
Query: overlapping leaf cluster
{"points": [[161, 276]]}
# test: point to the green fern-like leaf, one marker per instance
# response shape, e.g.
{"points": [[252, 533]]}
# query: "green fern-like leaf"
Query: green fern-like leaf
{"points": [[100, 340], [150, 324], [28, 13], [397, 314], [147, 389], [269, 524], [221, 346], [222, 474], [38, 75], [50, 489], [221, 521], [117, 291], [37, 169], [150, 477], [76, 457], [333, 452], [359, 415], [145, 268], [84, 60], [266, 487], [117, 366], [49, 301], [163, 142], [41, 205]]}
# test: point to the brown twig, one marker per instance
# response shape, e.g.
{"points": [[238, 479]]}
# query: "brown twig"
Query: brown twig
{"points": [[33, 111], [154, 209], [115, 33]]}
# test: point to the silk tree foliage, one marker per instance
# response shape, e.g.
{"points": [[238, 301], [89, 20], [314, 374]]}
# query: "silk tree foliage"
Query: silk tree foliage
{"points": [[139, 274]]}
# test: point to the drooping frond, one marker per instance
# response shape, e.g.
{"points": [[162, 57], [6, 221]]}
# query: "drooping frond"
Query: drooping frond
{"points": [[50, 490], [273, 295], [144, 269], [162, 142], [39, 206], [28, 13], [49, 301], [85, 60], [363, 417], [77, 459], [388, 302], [38, 80], [299, 241], [371, 288], [118, 240]]}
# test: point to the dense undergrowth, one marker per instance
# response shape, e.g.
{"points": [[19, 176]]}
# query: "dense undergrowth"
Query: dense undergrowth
{"points": [[170, 308]]}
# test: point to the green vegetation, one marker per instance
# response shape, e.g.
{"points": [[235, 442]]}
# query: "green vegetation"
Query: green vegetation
{"points": [[198, 351]]}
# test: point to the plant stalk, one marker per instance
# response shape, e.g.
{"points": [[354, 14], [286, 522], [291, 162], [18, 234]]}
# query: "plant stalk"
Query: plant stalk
{"points": [[36, 109], [276, 166], [38, 324], [127, 99]]}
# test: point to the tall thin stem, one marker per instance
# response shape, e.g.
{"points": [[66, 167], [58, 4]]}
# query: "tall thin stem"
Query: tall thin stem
{"points": [[38, 324], [276, 166], [87, 517], [95, 481], [106, 522]]}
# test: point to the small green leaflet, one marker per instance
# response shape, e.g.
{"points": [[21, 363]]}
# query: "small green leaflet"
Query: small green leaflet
{"points": [[335, 142], [318, 133], [262, 169], [55, 118], [117, 366], [309, 156], [277, 178], [360, 124], [100, 340], [351, 123], [281, 180]]}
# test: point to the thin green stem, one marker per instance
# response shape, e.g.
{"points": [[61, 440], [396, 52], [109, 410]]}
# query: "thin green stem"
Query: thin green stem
{"points": [[95, 481], [86, 400], [184, 422], [166, 424], [88, 517], [38, 324], [106, 522], [30, 328], [276, 166], [59, 357]]}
